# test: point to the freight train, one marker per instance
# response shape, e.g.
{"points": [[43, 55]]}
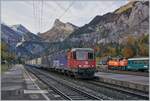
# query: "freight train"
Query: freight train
{"points": [[135, 64], [79, 62]]}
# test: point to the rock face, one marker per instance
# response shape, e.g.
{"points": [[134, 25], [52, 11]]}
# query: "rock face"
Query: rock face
{"points": [[28, 49], [24, 32], [13, 35], [59, 31], [9, 36], [20, 29], [131, 19]]}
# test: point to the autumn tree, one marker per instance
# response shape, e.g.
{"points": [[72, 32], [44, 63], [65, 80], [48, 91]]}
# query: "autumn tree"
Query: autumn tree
{"points": [[143, 49], [143, 45], [3, 46], [127, 52], [5, 54], [111, 51], [131, 41], [97, 50], [144, 39]]}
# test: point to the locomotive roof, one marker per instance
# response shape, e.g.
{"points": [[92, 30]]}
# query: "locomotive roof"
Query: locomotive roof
{"points": [[146, 58], [75, 49]]}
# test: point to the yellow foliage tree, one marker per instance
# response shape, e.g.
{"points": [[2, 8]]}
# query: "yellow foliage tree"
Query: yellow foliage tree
{"points": [[131, 41], [127, 52], [112, 51], [5, 54], [143, 49], [3, 46]]}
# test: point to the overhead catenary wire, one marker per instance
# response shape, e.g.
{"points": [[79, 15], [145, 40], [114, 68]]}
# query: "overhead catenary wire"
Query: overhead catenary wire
{"points": [[34, 14], [71, 4], [65, 11], [40, 16], [62, 8], [35, 9], [38, 21], [42, 7], [39, 11], [38, 7]]}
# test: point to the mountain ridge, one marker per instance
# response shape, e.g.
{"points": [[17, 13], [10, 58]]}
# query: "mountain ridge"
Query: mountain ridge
{"points": [[16, 35], [58, 32], [130, 19], [114, 28]]}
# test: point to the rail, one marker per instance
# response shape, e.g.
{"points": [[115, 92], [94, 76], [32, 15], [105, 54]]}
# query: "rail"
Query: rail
{"points": [[121, 89], [79, 93]]}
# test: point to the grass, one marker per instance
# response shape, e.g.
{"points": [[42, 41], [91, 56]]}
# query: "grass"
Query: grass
{"points": [[4, 68]]}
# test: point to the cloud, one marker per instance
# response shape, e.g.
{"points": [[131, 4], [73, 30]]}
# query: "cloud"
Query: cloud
{"points": [[79, 12]]}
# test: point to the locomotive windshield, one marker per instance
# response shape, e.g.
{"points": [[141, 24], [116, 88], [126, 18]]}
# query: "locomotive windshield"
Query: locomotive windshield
{"points": [[83, 55]]}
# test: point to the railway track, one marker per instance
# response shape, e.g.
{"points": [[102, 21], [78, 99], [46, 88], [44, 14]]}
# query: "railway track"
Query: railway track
{"points": [[142, 95], [51, 89], [122, 91], [105, 90], [136, 73], [68, 92], [131, 93]]}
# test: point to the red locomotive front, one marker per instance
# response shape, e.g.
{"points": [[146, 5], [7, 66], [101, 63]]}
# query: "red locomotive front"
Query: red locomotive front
{"points": [[81, 61]]}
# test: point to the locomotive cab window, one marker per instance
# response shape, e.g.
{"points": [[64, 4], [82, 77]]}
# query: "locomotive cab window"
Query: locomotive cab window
{"points": [[81, 55]]}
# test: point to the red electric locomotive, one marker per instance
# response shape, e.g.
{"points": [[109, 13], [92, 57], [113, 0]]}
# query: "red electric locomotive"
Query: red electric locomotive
{"points": [[81, 61]]}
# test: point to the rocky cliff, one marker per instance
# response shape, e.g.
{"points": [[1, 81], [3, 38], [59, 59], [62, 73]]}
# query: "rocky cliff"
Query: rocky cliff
{"points": [[21, 40], [130, 19], [58, 32]]}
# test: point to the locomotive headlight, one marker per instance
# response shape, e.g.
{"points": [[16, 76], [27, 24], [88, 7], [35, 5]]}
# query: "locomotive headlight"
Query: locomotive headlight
{"points": [[86, 62], [79, 65]]}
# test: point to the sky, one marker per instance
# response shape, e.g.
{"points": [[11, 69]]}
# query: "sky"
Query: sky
{"points": [[39, 15]]}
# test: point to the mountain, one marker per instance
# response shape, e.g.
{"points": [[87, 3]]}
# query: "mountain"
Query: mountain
{"points": [[107, 32], [20, 39], [30, 49], [59, 31], [24, 32], [13, 34], [9, 36], [20, 29], [130, 19]]}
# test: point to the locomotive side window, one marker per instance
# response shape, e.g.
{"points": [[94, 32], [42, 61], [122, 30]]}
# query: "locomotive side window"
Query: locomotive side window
{"points": [[90, 56], [74, 55]]}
